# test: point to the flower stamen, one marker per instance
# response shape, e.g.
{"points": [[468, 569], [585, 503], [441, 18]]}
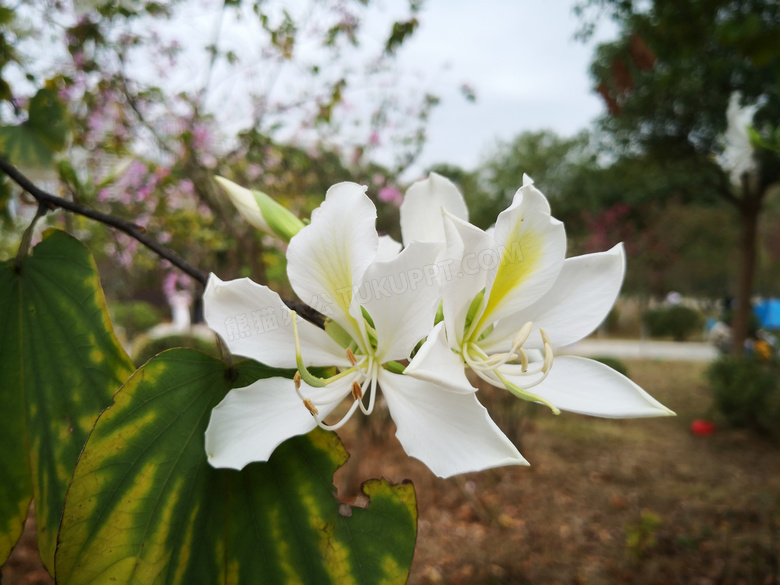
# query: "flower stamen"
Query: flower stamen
{"points": [[496, 368], [310, 407], [357, 391]]}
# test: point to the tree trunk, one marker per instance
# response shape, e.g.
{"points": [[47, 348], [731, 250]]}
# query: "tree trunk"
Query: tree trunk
{"points": [[749, 210]]}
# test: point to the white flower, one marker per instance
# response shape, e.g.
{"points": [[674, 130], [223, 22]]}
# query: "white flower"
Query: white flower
{"points": [[379, 309], [510, 297], [737, 156]]}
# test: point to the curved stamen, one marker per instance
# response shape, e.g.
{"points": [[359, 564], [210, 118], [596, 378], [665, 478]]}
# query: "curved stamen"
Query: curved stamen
{"points": [[341, 423], [525, 395], [370, 386], [307, 377], [495, 368], [372, 398]]}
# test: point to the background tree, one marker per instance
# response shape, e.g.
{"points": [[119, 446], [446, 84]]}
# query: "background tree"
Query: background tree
{"points": [[667, 82], [135, 106]]}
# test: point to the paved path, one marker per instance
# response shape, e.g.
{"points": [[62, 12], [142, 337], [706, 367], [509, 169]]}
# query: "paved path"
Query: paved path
{"points": [[640, 350]]}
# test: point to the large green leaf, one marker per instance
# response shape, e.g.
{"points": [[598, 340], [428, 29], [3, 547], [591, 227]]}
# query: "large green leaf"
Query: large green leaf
{"points": [[34, 143], [146, 508], [48, 117], [59, 365], [23, 147]]}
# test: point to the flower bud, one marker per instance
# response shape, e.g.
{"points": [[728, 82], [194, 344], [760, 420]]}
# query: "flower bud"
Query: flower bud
{"points": [[261, 211]]}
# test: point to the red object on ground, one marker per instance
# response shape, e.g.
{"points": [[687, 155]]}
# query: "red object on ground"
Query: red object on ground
{"points": [[702, 427]]}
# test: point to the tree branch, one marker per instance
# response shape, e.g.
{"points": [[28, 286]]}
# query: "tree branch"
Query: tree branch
{"points": [[132, 230], [52, 201]]}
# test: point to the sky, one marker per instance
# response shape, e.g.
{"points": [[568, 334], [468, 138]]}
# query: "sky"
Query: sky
{"points": [[520, 57]]}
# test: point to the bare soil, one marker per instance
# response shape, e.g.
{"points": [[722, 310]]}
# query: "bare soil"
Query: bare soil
{"points": [[604, 501]]}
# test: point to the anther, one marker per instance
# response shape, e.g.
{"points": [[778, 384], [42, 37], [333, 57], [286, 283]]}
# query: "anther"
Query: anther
{"points": [[351, 357], [297, 380], [548, 358], [522, 335], [310, 406], [357, 391], [523, 361]]}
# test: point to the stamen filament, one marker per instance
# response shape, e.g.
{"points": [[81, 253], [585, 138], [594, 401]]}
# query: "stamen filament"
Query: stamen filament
{"points": [[307, 377], [525, 395], [342, 422]]}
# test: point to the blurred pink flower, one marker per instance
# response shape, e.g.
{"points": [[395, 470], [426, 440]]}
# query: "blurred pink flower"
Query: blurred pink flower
{"points": [[391, 195]]}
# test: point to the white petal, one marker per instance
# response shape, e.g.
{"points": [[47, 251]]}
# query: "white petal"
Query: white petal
{"points": [[326, 259], [586, 386], [531, 248], [388, 249], [402, 296], [421, 218], [254, 322], [251, 422], [436, 362], [579, 300], [460, 272], [451, 433]]}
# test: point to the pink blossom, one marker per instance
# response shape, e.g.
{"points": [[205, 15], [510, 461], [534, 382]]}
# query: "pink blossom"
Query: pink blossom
{"points": [[391, 195], [201, 137], [253, 171]]}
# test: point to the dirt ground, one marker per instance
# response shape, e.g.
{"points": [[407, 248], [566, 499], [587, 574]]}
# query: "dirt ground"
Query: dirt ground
{"points": [[638, 501]]}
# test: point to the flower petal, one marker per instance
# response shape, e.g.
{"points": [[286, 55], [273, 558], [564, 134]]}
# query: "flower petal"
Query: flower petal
{"points": [[579, 300], [435, 362], [326, 259], [254, 322], [251, 422], [421, 218], [589, 387], [451, 433], [401, 296], [460, 273], [388, 249], [531, 248]]}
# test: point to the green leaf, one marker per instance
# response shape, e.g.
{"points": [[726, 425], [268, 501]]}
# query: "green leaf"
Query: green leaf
{"points": [[34, 143], [24, 148], [146, 508], [59, 365], [48, 118]]}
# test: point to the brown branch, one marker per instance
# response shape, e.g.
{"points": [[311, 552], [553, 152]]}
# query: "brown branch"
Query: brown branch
{"points": [[52, 201], [132, 230]]}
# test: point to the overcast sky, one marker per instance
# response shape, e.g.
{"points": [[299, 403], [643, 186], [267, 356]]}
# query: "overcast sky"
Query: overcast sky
{"points": [[520, 56]]}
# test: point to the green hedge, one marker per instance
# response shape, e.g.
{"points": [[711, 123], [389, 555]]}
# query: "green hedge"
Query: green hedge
{"points": [[746, 392], [677, 322]]}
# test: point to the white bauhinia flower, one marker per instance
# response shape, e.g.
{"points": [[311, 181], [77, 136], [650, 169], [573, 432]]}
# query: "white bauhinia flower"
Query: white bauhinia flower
{"points": [[378, 309], [737, 156], [511, 296]]}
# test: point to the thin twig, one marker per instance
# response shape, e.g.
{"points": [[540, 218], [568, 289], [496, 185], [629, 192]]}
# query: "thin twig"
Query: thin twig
{"points": [[131, 229]]}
